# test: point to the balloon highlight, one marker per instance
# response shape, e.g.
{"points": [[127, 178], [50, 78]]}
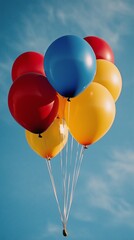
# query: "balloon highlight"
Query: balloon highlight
{"points": [[91, 114], [109, 76], [70, 65], [51, 142]]}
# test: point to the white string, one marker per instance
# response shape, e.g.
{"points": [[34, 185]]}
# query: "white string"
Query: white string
{"points": [[54, 187], [68, 187], [79, 167], [65, 182], [66, 176], [63, 190], [70, 171], [70, 166], [78, 161], [74, 173]]}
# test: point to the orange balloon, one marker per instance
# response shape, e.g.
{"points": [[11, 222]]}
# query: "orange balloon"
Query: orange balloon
{"points": [[62, 103], [109, 76], [51, 142], [91, 114]]}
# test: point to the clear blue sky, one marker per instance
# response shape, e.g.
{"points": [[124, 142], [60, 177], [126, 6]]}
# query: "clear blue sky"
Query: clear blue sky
{"points": [[103, 206]]}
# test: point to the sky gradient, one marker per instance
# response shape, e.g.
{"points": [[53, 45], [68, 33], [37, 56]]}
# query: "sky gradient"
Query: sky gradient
{"points": [[103, 206]]}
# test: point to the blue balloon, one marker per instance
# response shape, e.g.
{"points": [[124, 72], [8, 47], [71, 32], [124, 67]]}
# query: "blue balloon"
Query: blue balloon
{"points": [[70, 65]]}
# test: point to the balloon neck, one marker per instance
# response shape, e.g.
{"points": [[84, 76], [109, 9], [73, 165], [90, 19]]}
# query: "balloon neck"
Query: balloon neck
{"points": [[68, 99], [40, 136], [85, 147]]}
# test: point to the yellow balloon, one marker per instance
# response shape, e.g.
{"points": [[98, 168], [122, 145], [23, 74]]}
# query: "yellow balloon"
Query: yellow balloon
{"points": [[62, 103], [109, 76], [51, 142], [90, 115]]}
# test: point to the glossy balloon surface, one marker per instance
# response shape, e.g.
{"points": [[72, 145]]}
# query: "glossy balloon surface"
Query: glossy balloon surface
{"points": [[62, 104], [91, 114], [70, 65], [28, 62], [109, 76], [51, 142], [33, 102], [101, 48]]}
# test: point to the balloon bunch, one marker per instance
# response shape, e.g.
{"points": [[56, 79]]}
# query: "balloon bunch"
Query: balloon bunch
{"points": [[73, 88], [81, 71]]}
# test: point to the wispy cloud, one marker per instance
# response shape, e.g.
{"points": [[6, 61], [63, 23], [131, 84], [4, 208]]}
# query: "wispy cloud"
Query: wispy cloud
{"points": [[43, 22], [122, 167], [51, 230], [83, 215], [110, 191], [103, 196]]}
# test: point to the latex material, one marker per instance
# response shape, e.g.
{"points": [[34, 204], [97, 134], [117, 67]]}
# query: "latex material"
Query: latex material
{"points": [[61, 108], [52, 141], [70, 65], [90, 115], [28, 62], [109, 76], [101, 48], [33, 102]]}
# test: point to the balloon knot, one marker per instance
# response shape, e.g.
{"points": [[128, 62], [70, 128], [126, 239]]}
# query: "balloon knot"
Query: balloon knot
{"points": [[85, 147], [40, 136], [68, 99]]}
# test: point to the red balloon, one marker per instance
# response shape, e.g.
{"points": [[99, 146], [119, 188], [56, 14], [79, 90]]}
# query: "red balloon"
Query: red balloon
{"points": [[101, 48], [28, 62], [33, 102]]}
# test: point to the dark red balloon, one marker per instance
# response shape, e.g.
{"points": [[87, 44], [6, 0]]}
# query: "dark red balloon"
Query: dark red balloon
{"points": [[101, 48], [28, 62], [33, 102]]}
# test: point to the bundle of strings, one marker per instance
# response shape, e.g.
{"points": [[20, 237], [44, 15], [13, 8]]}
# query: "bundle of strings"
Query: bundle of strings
{"points": [[69, 166]]}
